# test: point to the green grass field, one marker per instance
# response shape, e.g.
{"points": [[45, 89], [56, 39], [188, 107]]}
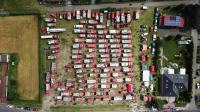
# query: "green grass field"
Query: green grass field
{"points": [[92, 108], [171, 48]]}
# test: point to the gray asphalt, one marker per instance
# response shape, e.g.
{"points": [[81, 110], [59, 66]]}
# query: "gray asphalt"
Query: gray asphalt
{"points": [[120, 5], [4, 108]]}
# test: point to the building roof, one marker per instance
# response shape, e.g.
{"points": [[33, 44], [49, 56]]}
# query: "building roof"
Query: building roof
{"points": [[171, 84], [146, 75], [171, 21], [182, 71], [4, 58]]}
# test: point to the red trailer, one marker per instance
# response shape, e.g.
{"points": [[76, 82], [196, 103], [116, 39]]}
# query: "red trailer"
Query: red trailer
{"points": [[91, 45], [129, 88]]}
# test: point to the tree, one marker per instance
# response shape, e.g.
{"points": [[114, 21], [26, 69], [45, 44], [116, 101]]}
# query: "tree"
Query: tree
{"points": [[157, 103], [183, 97]]}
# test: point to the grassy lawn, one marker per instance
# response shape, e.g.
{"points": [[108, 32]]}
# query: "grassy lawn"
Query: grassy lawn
{"points": [[22, 6], [92, 108], [171, 48]]}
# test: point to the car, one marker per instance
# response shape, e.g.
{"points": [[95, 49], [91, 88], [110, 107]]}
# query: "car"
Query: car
{"points": [[143, 26], [197, 85], [197, 99], [198, 72], [154, 37], [143, 30], [155, 28]]}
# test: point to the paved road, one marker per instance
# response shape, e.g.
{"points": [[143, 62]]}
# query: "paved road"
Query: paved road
{"points": [[3, 108], [120, 5]]}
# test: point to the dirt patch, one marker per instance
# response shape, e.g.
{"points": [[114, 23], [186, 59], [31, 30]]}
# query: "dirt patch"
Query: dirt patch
{"points": [[19, 34]]}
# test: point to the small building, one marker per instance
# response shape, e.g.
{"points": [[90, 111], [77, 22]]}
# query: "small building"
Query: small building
{"points": [[171, 21], [182, 71], [171, 84], [4, 58]]}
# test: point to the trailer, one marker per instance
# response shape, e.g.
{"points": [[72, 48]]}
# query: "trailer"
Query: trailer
{"points": [[117, 74], [103, 50], [91, 35], [76, 56], [118, 80], [78, 66], [93, 22], [101, 65], [51, 24], [127, 59], [114, 41], [115, 46], [69, 15], [90, 41], [50, 20], [129, 18], [126, 36], [90, 65], [103, 46], [127, 50], [90, 55], [105, 86], [115, 50], [88, 14], [88, 61], [78, 14], [50, 42], [127, 69], [82, 21], [97, 16], [115, 55], [90, 27], [114, 31], [126, 64], [123, 20], [91, 50], [55, 30], [104, 81], [79, 31], [126, 31], [91, 86], [81, 35], [91, 31], [100, 26], [104, 60], [102, 41], [127, 46], [51, 57], [48, 36], [91, 45], [47, 88], [117, 17], [91, 81], [126, 41], [104, 55], [126, 54], [79, 40], [102, 32], [78, 26], [76, 51], [114, 64], [101, 18], [74, 46]]}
